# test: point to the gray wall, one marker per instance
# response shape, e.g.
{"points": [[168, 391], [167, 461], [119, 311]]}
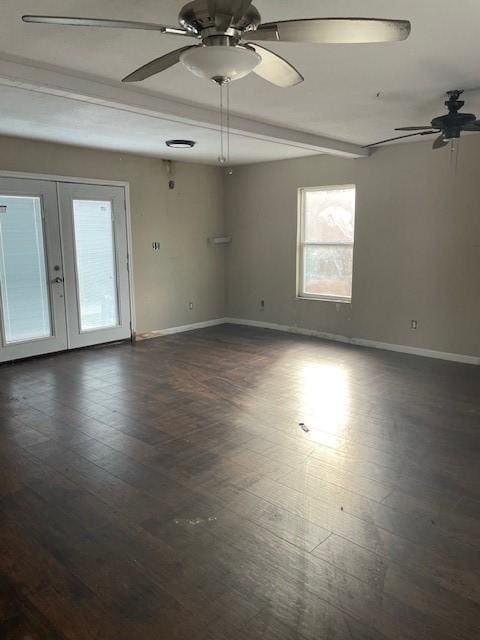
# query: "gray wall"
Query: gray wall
{"points": [[417, 246], [186, 269]]}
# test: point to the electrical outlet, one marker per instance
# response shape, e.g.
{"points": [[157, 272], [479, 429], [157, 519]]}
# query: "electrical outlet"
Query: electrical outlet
{"points": [[414, 324], [190, 305], [156, 246], [262, 304]]}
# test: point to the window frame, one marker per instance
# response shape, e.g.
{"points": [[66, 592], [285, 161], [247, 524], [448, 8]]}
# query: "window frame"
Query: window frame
{"points": [[301, 294]]}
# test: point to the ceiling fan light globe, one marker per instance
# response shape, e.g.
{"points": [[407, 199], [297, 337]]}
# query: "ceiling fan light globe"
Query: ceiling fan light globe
{"points": [[220, 63]]}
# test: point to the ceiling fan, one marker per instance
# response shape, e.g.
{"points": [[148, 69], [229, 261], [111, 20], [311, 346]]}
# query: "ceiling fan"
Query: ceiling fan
{"points": [[229, 30], [449, 126]]}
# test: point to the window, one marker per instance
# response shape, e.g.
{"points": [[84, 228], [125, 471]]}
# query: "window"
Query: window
{"points": [[326, 224]]}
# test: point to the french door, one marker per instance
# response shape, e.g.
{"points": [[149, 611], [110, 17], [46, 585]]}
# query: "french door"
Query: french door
{"points": [[94, 234], [63, 266]]}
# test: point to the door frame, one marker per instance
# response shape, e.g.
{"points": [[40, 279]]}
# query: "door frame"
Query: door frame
{"points": [[128, 218]]}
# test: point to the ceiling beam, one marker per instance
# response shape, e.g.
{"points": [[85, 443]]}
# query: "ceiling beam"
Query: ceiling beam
{"points": [[52, 81]]}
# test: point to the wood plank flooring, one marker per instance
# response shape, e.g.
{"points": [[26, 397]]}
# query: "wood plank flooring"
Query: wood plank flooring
{"points": [[166, 491]]}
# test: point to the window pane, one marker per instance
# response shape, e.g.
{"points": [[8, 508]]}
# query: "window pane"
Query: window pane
{"points": [[328, 270], [329, 215], [95, 255], [23, 273]]}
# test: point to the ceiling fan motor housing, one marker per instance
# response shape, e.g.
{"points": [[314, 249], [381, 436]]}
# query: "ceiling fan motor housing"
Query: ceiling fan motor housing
{"points": [[214, 17], [453, 123]]}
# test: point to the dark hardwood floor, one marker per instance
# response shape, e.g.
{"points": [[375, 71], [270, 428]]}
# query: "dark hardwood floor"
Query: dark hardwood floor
{"points": [[167, 491]]}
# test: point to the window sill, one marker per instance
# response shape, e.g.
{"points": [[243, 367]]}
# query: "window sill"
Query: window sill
{"points": [[334, 299]]}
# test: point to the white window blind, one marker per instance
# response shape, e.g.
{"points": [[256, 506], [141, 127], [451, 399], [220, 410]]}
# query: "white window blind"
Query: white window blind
{"points": [[96, 264], [23, 272]]}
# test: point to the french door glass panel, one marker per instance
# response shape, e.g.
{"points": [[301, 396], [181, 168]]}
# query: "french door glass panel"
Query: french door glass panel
{"points": [[23, 270], [95, 264], [32, 301]]}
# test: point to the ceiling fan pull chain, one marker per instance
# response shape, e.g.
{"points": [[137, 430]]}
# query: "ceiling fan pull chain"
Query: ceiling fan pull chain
{"points": [[228, 123], [221, 158], [221, 123]]}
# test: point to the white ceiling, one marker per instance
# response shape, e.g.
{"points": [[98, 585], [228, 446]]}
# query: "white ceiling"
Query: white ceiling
{"points": [[338, 98], [41, 116]]}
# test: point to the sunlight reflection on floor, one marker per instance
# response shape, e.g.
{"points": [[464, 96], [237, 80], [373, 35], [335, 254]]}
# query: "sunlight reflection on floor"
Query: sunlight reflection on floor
{"points": [[324, 395]]}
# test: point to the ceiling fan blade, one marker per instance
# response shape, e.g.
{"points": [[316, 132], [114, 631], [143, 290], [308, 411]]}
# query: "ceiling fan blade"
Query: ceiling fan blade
{"points": [[426, 127], [98, 22], [473, 126], [275, 69], [333, 30], [157, 65], [410, 135], [440, 142]]}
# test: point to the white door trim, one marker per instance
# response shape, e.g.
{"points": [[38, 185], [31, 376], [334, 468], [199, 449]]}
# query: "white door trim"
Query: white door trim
{"points": [[128, 213], [59, 178]]}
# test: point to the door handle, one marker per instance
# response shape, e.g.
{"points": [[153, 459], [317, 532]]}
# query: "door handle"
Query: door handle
{"points": [[57, 280]]}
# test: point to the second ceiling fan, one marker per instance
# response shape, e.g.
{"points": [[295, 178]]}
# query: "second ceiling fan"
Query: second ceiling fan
{"points": [[229, 31], [448, 127]]}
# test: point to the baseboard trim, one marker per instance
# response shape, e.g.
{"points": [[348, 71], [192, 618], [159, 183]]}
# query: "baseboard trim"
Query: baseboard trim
{"points": [[287, 329], [360, 342], [180, 329], [417, 351]]}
